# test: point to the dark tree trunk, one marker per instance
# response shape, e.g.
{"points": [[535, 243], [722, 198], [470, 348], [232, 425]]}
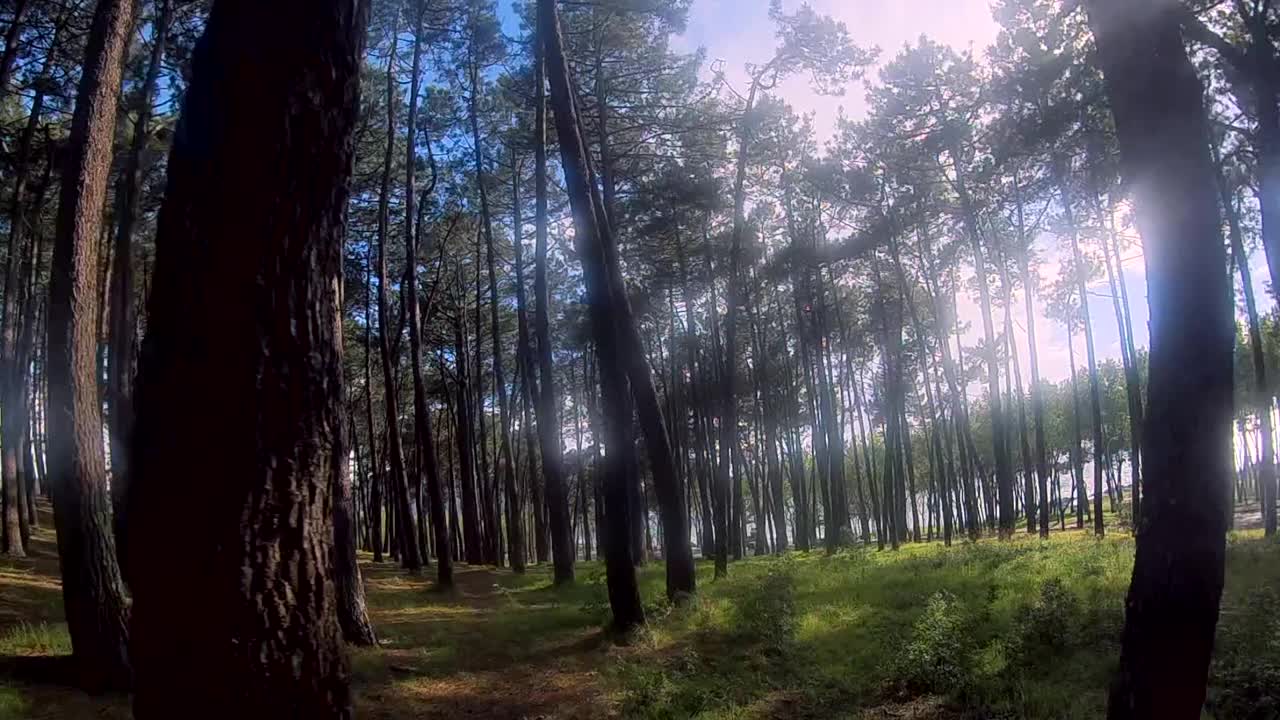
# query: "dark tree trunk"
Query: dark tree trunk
{"points": [[92, 590], [525, 360], [1004, 467], [122, 345], [624, 594], [398, 490], [1262, 390], [1156, 97], [11, 36], [1037, 394], [254, 216], [424, 438], [515, 521], [472, 544], [1095, 394], [548, 409]]}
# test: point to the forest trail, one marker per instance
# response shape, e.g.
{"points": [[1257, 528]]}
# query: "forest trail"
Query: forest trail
{"points": [[499, 646]]}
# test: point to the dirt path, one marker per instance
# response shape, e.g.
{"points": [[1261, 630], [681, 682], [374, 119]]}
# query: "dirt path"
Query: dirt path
{"points": [[498, 647]]}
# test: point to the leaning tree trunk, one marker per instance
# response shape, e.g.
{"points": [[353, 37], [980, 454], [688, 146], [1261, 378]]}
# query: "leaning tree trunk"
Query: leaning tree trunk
{"points": [[1156, 98], [253, 218], [548, 407], [624, 593], [92, 590]]}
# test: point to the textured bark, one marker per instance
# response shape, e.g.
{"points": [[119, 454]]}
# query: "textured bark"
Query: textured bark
{"points": [[1157, 101], [253, 217], [624, 594], [122, 344], [353, 612], [92, 590], [562, 543]]}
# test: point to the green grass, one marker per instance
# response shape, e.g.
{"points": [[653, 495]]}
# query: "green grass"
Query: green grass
{"points": [[25, 640], [1024, 628], [1019, 629]]}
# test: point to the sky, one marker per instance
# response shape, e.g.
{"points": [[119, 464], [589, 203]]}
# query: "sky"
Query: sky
{"points": [[739, 31]]}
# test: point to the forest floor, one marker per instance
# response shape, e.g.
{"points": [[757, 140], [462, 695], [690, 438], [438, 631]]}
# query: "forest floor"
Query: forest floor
{"points": [[1017, 629]]}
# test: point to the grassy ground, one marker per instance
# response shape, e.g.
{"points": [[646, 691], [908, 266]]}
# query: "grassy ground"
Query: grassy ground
{"points": [[1023, 628]]}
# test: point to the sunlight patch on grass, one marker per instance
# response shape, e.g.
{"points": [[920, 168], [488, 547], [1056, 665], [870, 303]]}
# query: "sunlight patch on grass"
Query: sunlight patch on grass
{"points": [[26, 639]]}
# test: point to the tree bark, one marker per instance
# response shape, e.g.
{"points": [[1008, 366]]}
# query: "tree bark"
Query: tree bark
{"points": [[1156, 98], [353, 612], [253, 217], [92, 590]]}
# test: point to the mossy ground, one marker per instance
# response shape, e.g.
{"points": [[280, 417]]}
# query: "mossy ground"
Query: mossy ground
{"points": [[1024, 628]]}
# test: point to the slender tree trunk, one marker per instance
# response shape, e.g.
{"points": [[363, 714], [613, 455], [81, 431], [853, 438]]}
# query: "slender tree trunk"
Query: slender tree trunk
{"points": [[398, 481], [515, 522], [1095, 394], [92, 590], [123, 315], [17, 24], [562, 547], [424, 436], [1156, 98], [1262, 389], [1004, 467], [624, 595], [472, 543]]}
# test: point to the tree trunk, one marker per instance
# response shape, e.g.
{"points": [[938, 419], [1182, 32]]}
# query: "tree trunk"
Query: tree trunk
{"points": [[398, 483], [1095, 394], [1156, 98], [92, 590], [424, 437], [123, 339], [1004, 467], [525, 362], [11, 36], [353, 613], [254, 216], [472, 543], [624, 594], [562, 545]]}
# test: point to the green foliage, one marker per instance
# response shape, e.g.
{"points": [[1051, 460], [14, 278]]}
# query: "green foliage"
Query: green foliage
{"points": [[766, 612], [936, 659], [35, 639], [1245, 675]]}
